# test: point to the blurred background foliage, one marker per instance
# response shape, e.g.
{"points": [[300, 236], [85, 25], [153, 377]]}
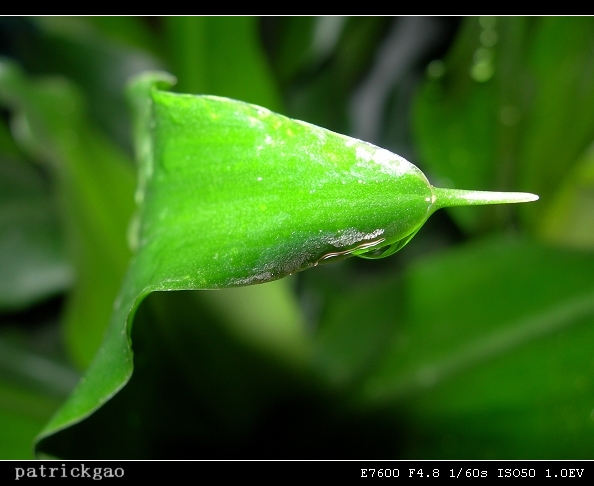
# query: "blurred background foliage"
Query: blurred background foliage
{"points": [[474, 341]]}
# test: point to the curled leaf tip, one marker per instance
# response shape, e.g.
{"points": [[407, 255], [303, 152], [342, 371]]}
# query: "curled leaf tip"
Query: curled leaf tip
{"points": [[245, 195]]}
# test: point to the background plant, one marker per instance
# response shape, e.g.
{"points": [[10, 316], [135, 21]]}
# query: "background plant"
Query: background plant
{"points": [[473, 341]]}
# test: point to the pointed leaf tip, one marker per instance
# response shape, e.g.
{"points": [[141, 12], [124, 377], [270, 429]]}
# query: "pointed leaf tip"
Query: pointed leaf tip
{"points": [[459, 197]]}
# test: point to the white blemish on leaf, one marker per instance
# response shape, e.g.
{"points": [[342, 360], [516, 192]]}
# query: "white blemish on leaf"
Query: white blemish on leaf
{"points": [[383, 160], [252, 279], [351, 236], [363, 153], [254, 122], [263, 112]]}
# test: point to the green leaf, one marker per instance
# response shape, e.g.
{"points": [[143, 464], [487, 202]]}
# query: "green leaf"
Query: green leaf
{"points": [[231, 194], [99, 63], [95, 183], [511, 105], [199, 388], [341, 51], [33, 382], [132, 31], [568, 220], [8, 147], [289, 42], [22, 415], [331, 197], [33, 263], [485, 354], [206, 59]]}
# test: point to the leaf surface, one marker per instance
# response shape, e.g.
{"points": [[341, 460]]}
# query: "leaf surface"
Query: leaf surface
{"points": [[52, 127], [485, 353]]}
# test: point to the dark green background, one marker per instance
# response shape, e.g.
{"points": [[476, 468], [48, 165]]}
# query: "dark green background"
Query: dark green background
{"points": [[474, 341]]}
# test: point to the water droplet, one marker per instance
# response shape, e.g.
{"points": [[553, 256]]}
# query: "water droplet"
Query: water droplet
{"points": [[387, 250], [379, 252], [339, 254]]}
